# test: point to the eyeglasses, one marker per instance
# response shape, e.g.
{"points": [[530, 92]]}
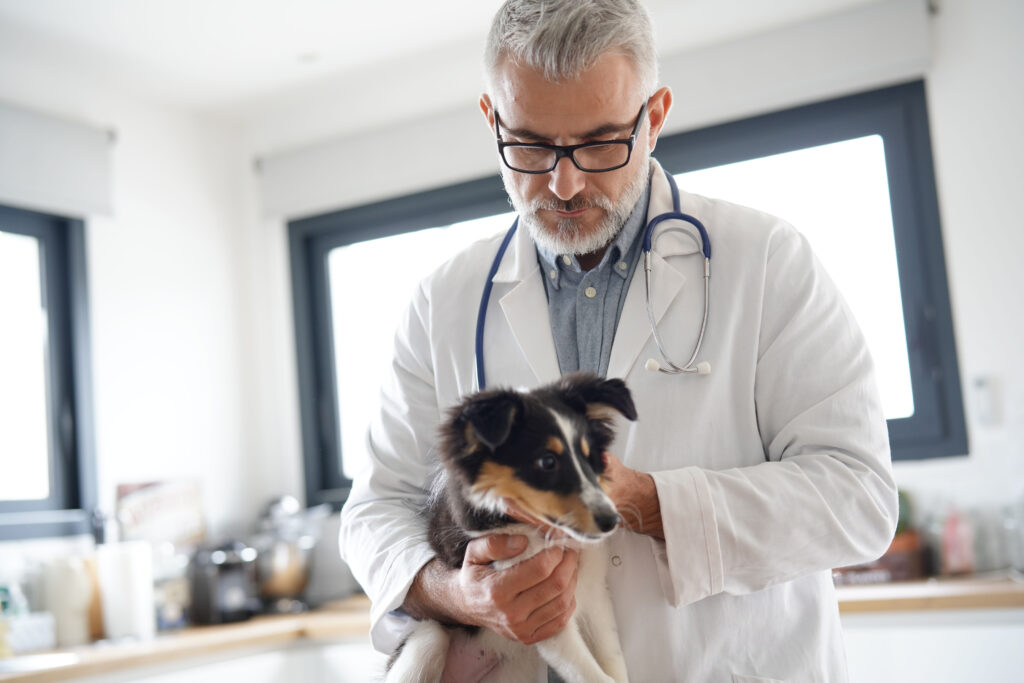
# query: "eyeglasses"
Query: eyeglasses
{"points": [[591, 157]]}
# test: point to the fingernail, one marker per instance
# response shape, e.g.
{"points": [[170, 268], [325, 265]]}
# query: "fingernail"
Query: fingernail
{"points": [[517, 543]]}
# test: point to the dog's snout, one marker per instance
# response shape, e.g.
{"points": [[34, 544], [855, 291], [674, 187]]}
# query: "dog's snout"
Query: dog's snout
{"points": [[607, 521]]}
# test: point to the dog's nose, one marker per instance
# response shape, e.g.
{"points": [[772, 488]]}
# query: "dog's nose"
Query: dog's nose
{"points": [[607, 522]]}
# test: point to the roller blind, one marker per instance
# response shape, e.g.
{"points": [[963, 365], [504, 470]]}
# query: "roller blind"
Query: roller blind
{"points": [[53, 164]]}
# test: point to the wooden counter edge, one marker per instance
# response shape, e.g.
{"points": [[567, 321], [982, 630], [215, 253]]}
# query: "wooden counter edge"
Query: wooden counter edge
{"points": [[350, 618], [340, 620], [931, 594]]}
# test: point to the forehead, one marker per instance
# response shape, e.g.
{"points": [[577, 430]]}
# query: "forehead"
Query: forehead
{"points": [[607, 93]]}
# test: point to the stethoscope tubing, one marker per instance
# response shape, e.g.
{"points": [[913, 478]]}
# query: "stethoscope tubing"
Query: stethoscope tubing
{"points": [[675, 214]]}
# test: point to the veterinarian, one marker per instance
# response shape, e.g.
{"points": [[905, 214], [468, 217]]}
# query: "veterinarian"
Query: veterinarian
{"points": [[740, 488]]}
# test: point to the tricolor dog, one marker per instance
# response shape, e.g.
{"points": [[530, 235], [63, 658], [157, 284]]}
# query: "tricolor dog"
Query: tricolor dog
{"points": [[541, 451]]}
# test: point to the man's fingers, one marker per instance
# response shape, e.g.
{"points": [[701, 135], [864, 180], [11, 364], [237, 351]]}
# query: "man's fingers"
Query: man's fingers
{"points": [[561, 580], [560, 613], [488, 549]]}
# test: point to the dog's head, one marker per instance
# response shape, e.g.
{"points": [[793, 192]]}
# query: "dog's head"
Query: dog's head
{"points": [[539, 451]]}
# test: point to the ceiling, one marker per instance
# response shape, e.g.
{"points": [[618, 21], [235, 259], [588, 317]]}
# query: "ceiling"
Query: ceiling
{"points": [[217, 54]]}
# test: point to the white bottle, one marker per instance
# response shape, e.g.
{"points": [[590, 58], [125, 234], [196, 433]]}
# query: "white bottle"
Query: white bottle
{"points": [[68, 592], [126, 589]]}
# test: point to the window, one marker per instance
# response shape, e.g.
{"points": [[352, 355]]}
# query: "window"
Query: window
{"points": [[46, 470], [853, 174]]}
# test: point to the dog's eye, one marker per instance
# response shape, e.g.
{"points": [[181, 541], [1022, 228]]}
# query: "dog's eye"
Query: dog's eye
{"points": [[547, 462]]}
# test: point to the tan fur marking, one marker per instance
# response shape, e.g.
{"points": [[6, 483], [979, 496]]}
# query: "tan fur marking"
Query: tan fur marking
{"points": [[555, 445], [472, 442], [501, 481], [585, 447]]}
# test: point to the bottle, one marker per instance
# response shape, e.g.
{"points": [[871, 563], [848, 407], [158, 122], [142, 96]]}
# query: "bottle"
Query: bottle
{"points": [[957, 544]]}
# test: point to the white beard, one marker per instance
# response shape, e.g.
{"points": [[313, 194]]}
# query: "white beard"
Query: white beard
{"points": [[567, 238]]}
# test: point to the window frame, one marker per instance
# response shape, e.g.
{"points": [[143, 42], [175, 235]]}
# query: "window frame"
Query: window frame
{"points": [[897, 113], [310, 242], [73, 494]]}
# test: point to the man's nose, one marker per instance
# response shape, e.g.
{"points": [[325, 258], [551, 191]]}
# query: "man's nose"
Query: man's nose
{"points": [[566, 181]]}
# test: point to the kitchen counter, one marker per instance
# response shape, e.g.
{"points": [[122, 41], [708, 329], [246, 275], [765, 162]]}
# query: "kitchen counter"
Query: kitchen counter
{"points": [[345, 619], [349, 619], [996, 591]]}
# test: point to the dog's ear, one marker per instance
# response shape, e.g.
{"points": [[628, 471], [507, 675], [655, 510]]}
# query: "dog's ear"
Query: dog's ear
{"points": [[489, 417], [601, 396]]}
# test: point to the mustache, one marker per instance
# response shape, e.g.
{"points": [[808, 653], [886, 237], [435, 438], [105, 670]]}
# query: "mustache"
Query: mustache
{"points": [[574, 204]]}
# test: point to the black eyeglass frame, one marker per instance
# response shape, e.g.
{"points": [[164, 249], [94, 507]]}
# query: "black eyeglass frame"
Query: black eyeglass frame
{"points": [[570, 150]]}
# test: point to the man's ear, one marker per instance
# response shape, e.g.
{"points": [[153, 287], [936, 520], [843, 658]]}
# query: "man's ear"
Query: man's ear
{"points": [[489, 417], [488, 109], [658, 107]]}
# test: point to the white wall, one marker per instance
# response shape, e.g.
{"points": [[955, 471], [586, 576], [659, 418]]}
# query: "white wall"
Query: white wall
{"points": [[976, 105], [171, 361]]}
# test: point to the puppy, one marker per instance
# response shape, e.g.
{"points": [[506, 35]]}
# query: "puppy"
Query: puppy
{"points": [[541, 451]]}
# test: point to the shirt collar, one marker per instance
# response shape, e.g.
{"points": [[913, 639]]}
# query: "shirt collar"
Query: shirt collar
{"points": [[555, 265]]}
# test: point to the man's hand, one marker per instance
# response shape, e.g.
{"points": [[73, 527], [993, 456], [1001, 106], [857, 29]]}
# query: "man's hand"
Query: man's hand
{"points": [[528, 602], [635, 496]]}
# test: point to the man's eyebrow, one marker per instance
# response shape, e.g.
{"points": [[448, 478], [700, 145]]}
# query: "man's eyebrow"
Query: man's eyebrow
{"points": [[600, 131]]}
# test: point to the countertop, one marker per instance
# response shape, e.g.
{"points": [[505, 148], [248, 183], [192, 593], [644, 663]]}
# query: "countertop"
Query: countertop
{"points": [[341, 620], [349, 619]]}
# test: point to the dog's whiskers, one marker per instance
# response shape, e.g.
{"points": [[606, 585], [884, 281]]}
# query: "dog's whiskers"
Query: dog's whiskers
{"points": [[634, 514]]}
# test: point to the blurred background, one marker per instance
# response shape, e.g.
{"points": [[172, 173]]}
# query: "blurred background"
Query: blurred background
{"points": [[194, 194]]}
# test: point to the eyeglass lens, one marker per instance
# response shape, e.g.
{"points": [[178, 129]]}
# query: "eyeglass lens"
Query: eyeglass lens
{"points": [[589, 158]]}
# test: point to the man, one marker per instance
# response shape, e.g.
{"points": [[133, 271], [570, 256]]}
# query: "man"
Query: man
{"points": [[740, 489]]}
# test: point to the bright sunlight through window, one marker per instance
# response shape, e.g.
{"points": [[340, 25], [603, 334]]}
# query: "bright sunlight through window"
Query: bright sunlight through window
{"points": [[837, 195], [24, 455], [372, 283]]}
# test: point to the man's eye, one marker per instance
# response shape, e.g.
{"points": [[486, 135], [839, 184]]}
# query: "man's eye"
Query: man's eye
{"points": [[547, 463]]}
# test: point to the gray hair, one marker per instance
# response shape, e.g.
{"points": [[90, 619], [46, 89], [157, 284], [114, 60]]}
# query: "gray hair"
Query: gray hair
{"points": [[563, 38]]}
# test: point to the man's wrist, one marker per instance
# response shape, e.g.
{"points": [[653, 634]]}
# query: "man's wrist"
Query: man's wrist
{"points": [[648, 507], [433, 594]]}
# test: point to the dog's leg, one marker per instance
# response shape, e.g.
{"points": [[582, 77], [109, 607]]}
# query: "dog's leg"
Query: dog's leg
{"points": [[422, 656], [596, 616], [568, 654]]}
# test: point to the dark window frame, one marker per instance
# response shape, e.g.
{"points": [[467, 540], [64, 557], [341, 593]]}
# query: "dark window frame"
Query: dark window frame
{"points": [[897, 113], [73, 497]]}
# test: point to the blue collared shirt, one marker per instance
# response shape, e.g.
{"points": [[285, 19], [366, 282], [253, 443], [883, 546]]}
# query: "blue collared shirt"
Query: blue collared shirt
{"points": [[584, 306]]}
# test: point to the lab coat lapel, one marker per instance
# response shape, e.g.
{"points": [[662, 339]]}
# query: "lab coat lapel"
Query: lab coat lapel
{"points": [[525, 307]]}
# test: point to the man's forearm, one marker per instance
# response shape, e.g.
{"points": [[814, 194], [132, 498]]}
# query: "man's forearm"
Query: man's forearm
{"points": [[432, 594]]}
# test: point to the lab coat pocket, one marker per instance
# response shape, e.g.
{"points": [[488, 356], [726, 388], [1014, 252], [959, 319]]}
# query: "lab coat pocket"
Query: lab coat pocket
{"points": [[740, 678]]}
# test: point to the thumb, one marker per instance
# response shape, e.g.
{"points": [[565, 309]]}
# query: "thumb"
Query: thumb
{"points": [[487, 549]]}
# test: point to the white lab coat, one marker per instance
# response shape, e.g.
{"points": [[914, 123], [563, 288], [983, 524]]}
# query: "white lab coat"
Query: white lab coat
{"points": [[770, 471]]}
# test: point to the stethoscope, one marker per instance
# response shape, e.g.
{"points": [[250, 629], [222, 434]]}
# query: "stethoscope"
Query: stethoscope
{"points": [[701, 368]]}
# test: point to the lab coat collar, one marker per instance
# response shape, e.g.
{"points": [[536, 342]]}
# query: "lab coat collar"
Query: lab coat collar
{"points": [[522, 302]]}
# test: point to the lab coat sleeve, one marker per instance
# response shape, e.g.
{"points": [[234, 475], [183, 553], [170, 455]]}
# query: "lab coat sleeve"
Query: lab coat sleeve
{"points": [[823, 494], [383, 535]]}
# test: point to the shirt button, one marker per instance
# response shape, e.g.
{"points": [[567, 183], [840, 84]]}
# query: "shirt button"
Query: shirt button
{"points": [[616, 560], [567, 260], [554, 274], [590, 292], [622, 265]]}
